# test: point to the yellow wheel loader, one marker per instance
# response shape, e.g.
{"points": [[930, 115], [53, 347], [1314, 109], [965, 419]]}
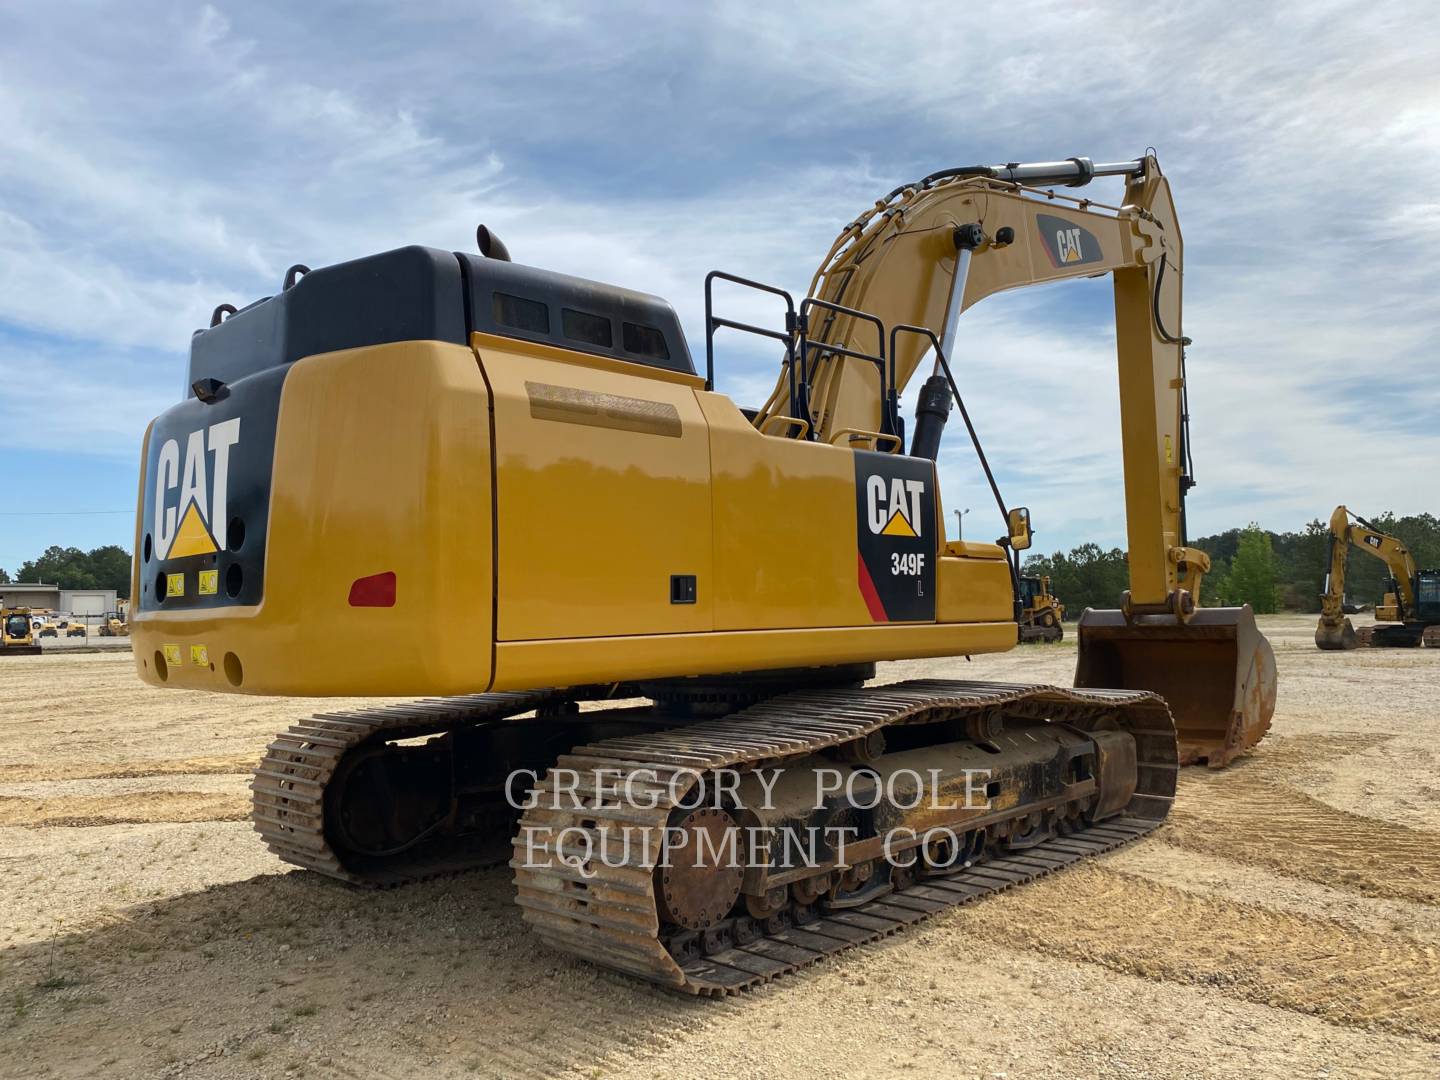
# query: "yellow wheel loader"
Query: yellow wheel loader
{"points": [[114, 625], [397, 450], [1040, 611], [1412, 599], [17, 634]]}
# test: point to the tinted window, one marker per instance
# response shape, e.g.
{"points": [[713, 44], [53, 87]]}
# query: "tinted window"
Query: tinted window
{"points": [[644, 341], [1429, 590], [522, 314], [582, 326]]}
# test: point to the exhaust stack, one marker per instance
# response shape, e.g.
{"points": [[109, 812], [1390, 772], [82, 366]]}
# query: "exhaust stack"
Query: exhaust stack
{"points": [[490, 245]]}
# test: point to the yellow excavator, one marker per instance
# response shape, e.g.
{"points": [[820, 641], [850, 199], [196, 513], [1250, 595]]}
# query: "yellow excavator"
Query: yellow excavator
{"points": [[1041, 611], [398, 450], [1412, 599], [17, 632]]}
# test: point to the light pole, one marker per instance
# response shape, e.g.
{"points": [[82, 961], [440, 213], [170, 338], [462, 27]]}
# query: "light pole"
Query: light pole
{"points": [[960, 523]]}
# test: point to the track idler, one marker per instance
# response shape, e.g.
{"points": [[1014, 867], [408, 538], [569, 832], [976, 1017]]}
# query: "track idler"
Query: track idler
{"points": [[1215, 670]]}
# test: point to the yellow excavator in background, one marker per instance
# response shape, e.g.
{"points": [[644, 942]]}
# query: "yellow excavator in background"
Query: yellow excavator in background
{"points": [[1040, 611], [1412, 599], [17, 632], [397, 450]]}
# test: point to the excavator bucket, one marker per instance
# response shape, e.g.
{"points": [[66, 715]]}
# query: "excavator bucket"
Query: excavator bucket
{"points": [[1216, 671], [1336, 636]]}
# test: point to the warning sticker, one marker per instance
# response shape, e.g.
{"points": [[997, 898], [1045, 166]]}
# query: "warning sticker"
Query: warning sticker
{"points": [[199, 656], [174, 584], [171, 653], [209, 582]]}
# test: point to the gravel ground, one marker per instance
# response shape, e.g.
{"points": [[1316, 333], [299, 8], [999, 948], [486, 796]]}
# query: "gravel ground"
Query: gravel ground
{"points": [[1283, 923]]}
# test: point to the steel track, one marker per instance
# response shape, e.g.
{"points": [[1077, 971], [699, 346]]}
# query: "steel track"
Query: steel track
{"points": [[605, 910], [290, 782]]}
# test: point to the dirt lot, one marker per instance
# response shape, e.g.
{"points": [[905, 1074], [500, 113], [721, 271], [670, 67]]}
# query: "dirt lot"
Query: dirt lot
{"points": [[1286, 922]]}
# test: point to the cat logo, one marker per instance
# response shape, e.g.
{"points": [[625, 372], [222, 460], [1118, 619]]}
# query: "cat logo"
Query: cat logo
{"points": [[186, 524], [1373, 541], [894, 508], [1066, 243]]}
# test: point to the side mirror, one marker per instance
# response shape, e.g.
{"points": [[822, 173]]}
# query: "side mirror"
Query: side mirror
{"points": [[1019, 522]]}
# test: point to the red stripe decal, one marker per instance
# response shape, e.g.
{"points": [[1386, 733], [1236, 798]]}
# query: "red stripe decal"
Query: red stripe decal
{"points": [[867, 590]]}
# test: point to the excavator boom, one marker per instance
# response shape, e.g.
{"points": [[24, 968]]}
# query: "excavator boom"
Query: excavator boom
{"points": [[931, 250]]}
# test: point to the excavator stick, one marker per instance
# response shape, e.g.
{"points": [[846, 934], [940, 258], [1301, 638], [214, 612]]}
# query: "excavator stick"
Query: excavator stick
{"points": [[1336, 636], [1216, 671]]}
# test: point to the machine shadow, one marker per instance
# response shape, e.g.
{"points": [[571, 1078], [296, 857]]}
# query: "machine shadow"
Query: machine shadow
{"points": [[252, 964]]}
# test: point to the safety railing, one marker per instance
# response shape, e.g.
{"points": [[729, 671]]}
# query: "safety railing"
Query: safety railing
{"points": [[798, 391], [889, 399]]}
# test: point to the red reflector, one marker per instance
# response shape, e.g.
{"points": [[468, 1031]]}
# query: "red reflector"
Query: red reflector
{"points": [[377, 590]]}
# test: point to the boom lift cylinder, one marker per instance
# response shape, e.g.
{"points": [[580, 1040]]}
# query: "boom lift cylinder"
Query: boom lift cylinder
{"points": [[932, 410]]}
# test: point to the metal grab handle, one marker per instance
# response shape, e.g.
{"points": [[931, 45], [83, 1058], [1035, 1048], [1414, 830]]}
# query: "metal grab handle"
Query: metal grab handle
{"points": [[798, 396], [874, 436], [889, 398], [803, 426], [291, 275]]}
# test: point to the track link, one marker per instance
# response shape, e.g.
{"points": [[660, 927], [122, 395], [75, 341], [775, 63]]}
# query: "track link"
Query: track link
{"points": [[606, 911], [290, 782]]}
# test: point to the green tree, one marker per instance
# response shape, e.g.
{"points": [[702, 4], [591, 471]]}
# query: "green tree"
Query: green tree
{"points": [[1089, 576], [4, 577], [105, 567], [1252, 572], [1302, 585], [111, 566]]}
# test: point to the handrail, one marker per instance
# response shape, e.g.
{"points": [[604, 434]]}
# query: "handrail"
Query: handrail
{"points": [[889, 409], [791, 421], [852, 433], [787, 338]]}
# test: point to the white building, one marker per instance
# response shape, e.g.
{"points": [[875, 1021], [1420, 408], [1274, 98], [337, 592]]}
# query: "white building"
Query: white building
{"points": [[83, 602]]}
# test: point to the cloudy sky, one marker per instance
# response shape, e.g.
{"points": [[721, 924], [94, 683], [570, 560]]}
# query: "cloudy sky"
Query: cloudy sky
{"points": [[158, 159]]}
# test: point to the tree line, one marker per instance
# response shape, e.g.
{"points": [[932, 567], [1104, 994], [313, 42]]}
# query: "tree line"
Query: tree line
{"points": [[1270, 571], [106, 567]]}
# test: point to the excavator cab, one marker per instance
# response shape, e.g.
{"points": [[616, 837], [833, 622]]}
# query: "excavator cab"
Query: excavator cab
{"points": [[1214, 668], [1427, 596]]}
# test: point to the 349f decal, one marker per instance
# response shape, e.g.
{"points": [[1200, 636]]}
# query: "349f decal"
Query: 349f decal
{"points": [[895, 536]]}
